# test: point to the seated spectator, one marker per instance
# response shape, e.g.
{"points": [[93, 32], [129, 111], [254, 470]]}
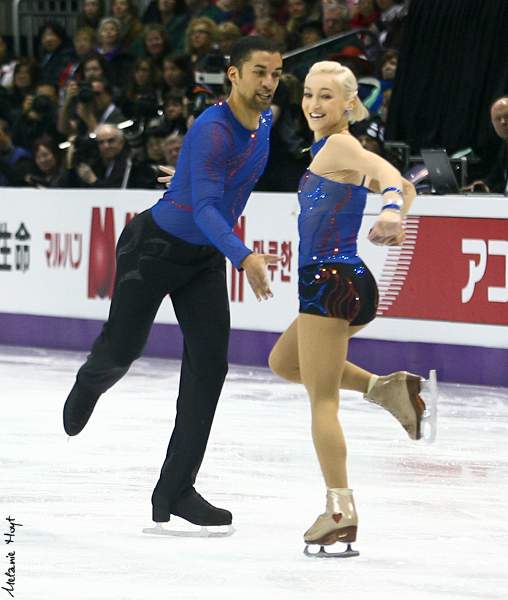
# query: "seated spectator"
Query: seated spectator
{"points": [[27, 75], [174, 118], [38, 117], [153, 43], [335, 20], [263, 9], [366, 14], [14, 161], [172, 14], [263, 26], [199, 39], [126, 13], [56, 51], [389, 62], [94, 65], [177, 74], [390, 26], [203, 8], [295, 90], [7, 64], [496, 182], [108, 169], [300, 12], [226, 35], [240, 13], [311, 32], [109, 46], [91, 15], [145, 171], [94, 108], [371, 134], [286, 162], [171, 148], [144, 96], [84, 40], [48, 165]]}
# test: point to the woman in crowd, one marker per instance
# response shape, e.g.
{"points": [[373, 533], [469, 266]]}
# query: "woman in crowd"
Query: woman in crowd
{"points": [[227, 34], [125, 11], [199, 39], [84, 41], [27, 75], [48, 169], [177, 75], [300, 12], [172, 14], [91, 15], [109, 46], [338, 295], [56, 51], [144, 95], [153, 43]]}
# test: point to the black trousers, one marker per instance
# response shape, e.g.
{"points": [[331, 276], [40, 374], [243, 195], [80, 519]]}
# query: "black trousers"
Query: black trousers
{"points": [[151, 264]]}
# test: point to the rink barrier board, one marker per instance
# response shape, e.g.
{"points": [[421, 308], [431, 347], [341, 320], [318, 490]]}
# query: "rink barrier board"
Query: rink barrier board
{"points": [[443, 294], [459, 364]]}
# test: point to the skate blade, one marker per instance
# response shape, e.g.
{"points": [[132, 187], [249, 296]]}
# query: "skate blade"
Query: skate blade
{"points": [[204, 532], [429, 419], [322, 553]]}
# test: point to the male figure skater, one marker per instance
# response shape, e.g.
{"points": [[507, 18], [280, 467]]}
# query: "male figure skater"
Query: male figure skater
{"points": [[177, 248]]}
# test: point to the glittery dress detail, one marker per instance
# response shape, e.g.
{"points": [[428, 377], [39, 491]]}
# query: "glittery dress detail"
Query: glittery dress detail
{"points": [[330, 218]]}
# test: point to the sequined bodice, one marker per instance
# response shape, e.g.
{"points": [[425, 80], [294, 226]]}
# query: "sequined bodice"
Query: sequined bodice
{"points": [[330, 218]]}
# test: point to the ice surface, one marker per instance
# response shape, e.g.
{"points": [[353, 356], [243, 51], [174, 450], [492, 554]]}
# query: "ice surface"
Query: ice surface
{"points": [[433, 518]]}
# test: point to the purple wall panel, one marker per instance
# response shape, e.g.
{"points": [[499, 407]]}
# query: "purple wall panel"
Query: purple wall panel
{"points": [[459, 364]]}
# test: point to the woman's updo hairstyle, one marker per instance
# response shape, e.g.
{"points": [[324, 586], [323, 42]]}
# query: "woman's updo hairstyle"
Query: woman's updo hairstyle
{"points": [[348, 83]]}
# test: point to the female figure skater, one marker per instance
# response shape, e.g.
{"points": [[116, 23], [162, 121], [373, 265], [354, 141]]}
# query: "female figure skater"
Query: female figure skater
{"points": [[338, 294]]}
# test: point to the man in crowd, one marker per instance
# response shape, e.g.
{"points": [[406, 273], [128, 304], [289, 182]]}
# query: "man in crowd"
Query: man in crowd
{"points": [[496, 181], [93, 105], [108, 169]]}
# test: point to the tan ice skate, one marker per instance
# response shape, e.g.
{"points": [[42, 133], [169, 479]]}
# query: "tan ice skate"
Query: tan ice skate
{"points": [[399, 393], [337, 524]]}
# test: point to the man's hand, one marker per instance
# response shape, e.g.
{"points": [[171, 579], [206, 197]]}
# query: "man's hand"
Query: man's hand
{"points": [[166, 178], [255, 268], [387, 230]]}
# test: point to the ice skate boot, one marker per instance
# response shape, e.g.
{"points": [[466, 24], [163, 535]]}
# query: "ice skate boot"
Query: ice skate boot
{"points": [[78, 409], [399, 394], [194, 509], [338, 523]]}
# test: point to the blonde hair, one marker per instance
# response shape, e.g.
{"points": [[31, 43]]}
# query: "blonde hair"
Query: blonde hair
{"points": [[347, 81]]}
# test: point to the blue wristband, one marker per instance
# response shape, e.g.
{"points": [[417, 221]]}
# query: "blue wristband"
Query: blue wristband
{"points": [[392, 207], [392, 189]]}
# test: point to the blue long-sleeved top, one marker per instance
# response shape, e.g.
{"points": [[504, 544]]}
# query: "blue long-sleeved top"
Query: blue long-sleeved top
{"points": [[219, 165]]}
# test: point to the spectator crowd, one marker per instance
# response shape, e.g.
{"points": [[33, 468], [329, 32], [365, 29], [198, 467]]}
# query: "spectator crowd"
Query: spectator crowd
{"points": [[106, 107]]}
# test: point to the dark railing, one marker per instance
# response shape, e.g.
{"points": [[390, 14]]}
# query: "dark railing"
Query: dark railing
{"points": [[365, 39]]}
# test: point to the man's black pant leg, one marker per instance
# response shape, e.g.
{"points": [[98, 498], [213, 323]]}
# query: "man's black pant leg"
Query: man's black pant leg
{"points": [[202, 310]]}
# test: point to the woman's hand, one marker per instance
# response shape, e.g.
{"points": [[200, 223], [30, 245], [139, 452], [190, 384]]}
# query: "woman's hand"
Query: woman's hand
{"points": [[388, 230], [166, 178]]}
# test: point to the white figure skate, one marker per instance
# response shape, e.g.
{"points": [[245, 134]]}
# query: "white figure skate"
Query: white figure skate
{"points": [[399, 394], [338, 523]]}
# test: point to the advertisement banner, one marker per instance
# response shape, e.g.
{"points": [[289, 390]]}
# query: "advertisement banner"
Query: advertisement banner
{"points": [[448, 283]]}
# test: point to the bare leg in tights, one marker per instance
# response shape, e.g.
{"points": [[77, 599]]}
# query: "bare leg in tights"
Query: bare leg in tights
{"points": [[313, 351]]}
